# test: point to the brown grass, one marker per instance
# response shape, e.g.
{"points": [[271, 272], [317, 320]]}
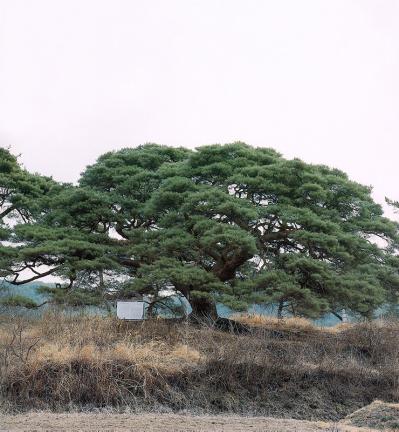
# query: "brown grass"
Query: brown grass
{"points": [[378, 415], [264, 321], [284, 368], [293, 324]]}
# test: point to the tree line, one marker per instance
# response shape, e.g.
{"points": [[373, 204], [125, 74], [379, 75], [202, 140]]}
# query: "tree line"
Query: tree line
{"points": [[223, 223]]}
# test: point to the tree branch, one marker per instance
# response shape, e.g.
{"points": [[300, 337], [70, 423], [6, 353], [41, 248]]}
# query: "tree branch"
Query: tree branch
{"points": [[127, 262], [33, 278], [337, 315], [7, 211]]}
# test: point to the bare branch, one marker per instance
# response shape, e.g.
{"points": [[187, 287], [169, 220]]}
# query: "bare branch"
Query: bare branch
{"points": [[33, 278]]}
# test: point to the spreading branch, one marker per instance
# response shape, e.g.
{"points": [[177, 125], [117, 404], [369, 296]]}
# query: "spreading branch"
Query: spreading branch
{"points": [[15, 281]]}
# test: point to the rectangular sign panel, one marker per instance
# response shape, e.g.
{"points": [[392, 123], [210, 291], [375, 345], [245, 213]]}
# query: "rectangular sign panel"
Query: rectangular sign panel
{"points": [[130, 310]]}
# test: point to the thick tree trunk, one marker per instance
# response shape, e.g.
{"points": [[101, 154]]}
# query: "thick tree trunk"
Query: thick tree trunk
{"points": [[203, 309]]}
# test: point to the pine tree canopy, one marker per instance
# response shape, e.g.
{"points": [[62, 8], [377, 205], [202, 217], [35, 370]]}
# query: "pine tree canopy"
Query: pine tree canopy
{"points": [[223, 223]]}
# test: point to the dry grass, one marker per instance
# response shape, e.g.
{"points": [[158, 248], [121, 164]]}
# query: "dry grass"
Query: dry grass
{"points": [[264, 321], [149, 355], [293, 324], [378, 415], [284, 368]]}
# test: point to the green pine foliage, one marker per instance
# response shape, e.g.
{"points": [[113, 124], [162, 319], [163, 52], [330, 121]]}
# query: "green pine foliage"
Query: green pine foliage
{"points": [[18, 301]]}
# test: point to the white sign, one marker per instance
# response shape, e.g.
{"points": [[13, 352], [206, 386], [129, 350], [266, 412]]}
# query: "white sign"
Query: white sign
{"points": [[130, 310]]}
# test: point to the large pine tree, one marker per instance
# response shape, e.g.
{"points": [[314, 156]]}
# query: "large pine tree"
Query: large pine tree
{"points": [[228, 223]]}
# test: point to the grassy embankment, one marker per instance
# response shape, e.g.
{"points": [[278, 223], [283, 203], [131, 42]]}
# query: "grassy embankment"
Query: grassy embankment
{"points": [[284, 368]]}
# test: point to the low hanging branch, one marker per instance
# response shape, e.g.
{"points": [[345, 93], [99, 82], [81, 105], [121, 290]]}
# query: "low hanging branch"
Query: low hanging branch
{"points": [[15, 281]]}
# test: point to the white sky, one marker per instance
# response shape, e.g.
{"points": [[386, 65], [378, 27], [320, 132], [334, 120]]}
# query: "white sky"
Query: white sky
{"points": [[312, 79]]}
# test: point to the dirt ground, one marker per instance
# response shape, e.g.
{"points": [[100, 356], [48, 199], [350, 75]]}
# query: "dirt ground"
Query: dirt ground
{"points": [[45, 421]]}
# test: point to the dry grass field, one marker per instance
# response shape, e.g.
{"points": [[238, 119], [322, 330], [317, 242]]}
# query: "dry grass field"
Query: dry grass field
{"points": [[288, 369]]}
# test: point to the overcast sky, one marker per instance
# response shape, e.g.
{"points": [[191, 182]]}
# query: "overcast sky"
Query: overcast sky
{"points": [[317, 80]]}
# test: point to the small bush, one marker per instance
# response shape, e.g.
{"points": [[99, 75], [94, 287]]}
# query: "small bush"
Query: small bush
{"points": [[18, 300]]}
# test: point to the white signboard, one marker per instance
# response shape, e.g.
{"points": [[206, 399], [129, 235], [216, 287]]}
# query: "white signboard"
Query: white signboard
{"points": [[130, 310]]}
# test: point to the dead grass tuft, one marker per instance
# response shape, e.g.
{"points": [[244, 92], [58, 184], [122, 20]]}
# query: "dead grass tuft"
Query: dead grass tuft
{"points": [[293, 323], [184, 352]]}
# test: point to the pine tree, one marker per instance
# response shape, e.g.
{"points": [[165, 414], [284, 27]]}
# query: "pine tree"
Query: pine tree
{"points": [[225, 223]]}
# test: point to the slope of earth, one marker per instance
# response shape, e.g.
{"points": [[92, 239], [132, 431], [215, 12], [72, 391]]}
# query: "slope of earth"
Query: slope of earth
{"points": [[286, 369], [378, 415]]}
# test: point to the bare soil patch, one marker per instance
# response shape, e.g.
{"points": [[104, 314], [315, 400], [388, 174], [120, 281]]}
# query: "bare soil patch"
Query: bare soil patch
{"points": [[161, 423]]}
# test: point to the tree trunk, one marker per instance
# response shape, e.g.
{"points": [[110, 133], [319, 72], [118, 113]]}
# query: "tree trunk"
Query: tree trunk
{"points": [[101, 283], [280, 309], [203, 309]]}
